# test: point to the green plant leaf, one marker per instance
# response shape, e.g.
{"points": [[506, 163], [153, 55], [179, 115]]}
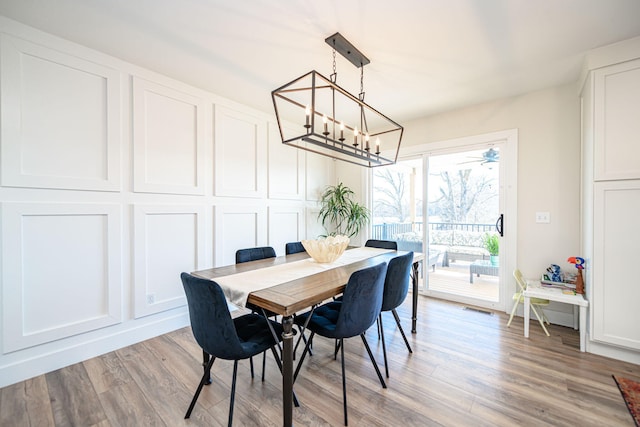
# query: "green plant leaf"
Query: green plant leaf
{"points": [[339, 213]]}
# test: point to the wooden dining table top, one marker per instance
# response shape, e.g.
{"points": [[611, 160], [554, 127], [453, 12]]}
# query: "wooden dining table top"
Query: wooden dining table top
{"points": [[293, 296]]}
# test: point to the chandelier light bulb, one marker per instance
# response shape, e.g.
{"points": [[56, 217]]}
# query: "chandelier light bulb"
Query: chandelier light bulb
{"points": [[307, 113]]}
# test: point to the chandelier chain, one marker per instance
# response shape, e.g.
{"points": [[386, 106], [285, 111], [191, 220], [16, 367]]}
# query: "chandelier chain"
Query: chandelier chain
{"points": [[334, 76], [334, 60], [361, 95]]}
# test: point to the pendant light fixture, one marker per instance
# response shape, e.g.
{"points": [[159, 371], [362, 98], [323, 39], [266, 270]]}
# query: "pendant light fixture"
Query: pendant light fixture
{"points": [[317, 115]]}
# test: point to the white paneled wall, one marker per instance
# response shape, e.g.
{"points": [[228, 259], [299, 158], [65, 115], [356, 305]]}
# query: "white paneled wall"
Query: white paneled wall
{"points": [[51, 253], [168, 139], [286, 168], [286, 224], [60, 119], [114, 180], [241, 140], [237, 227], [166, 239]]}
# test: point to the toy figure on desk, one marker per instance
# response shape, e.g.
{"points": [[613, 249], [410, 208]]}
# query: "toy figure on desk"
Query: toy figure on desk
{"points": [[555, 273], [579, 263]]}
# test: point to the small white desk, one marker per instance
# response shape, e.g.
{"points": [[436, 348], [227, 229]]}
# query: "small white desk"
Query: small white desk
{"points": [[536, 290]]}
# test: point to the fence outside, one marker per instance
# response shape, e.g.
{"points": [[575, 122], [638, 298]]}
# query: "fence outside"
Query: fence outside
{"points": [[387, 231]]}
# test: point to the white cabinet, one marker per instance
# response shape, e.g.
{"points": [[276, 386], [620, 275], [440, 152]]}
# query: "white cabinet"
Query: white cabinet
{"points": [[617, 121], [616, 291], [611, 202]]}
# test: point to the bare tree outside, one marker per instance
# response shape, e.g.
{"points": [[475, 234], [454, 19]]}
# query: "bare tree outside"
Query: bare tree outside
{"points": [[390, 200], [463, 197]]}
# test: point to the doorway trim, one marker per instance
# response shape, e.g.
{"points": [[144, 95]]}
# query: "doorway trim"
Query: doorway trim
{"points": [[508, 140]]}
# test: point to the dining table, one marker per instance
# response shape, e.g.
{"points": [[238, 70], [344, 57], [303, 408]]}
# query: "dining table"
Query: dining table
{"points": [[286, 285]]}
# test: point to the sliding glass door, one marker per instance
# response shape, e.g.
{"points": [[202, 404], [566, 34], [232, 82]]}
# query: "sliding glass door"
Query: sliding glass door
{"points": [[463, 205], [452, 201]]}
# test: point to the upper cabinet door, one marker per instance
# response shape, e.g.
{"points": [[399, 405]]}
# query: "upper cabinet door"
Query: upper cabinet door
{"points": [[617, 121]]}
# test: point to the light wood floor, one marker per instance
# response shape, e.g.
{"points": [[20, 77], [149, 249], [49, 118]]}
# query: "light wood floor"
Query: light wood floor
{"points": [[467, 369]]}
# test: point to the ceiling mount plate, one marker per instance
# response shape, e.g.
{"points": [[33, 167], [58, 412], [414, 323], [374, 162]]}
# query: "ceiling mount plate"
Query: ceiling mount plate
{"points": [[346, 49]]}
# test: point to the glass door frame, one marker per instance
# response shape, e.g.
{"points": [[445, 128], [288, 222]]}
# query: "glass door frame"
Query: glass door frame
{"points": [[508, 142]]}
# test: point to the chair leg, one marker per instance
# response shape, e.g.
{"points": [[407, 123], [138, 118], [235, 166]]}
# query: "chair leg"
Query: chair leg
{"points": [[205, 378], [304, 353], [544, 317], [264, 363], [384, 346], [205, 362], [513, 311], [344, 383], [233, 391], [406, 342], [540, 320], [251, 364], [301, 338], [302, 329], [375, 365]]}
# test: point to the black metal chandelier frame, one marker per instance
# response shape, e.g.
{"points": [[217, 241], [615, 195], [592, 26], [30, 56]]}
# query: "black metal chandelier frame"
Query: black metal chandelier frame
{"points": [[359, 137]]}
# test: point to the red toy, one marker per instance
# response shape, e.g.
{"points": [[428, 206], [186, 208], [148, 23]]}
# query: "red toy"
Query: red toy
{"points": [[579, 263]]}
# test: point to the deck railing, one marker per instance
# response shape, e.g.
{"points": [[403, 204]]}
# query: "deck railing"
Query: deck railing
{"points": [[387, 231]]}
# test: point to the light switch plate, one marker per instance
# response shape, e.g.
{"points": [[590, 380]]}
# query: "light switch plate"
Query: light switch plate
{"points": [[543, 217]]}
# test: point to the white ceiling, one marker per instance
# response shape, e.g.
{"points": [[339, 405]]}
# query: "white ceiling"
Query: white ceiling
{"points": [[427, 56]]}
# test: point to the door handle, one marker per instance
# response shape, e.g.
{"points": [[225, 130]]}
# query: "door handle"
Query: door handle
{"points": [[500, 225]]}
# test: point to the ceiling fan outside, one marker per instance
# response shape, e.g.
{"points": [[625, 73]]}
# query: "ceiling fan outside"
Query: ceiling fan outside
{"points": [[489, 156]]}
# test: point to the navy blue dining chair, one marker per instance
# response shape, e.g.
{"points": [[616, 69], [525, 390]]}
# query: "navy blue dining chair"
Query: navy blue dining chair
{"points": [[222, 337], [255, 254], [350, 317], [382, 244], [396, 287], [293, 248]]}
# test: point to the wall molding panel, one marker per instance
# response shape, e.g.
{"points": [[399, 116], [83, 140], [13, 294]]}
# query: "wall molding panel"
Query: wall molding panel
{"points": [[58, 106], [61, 271], [320, 172], [286, 224], [169, 240], [240, 154], [168, 139], [313, 226], [286, 168], [237, 227]]}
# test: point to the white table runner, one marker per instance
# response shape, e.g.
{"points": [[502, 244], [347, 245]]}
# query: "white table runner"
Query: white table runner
{"points": [[237, 287]]}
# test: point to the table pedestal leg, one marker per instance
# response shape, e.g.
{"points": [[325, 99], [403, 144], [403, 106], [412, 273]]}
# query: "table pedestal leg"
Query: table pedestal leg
{"points": [[287, 371]]}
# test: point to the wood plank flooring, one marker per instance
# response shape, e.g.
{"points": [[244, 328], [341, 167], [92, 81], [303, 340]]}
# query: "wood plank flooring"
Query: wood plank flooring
{"points": [[467, 369]]}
